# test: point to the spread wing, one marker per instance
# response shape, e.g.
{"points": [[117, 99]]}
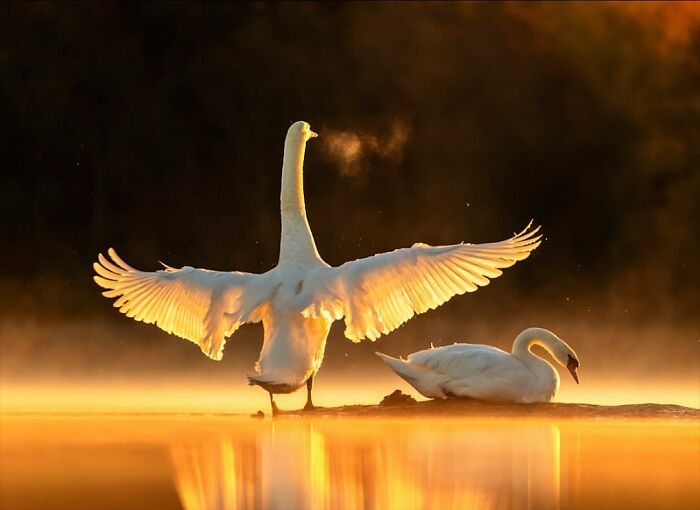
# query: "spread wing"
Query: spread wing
{"points": [[202, 306], [377, 294]]}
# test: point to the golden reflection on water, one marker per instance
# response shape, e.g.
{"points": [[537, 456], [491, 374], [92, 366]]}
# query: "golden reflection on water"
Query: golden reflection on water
{"points": [[200, 462], [412, 465]]}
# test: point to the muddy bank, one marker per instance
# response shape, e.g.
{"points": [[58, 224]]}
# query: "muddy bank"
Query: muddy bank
{"points": [[399, 406]]}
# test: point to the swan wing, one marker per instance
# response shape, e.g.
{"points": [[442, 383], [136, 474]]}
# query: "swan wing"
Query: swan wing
{"points": [[377, 294], [461, 360], [475, 371], [202, 306]]}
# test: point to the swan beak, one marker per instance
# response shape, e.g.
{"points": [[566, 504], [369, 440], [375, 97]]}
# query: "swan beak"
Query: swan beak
{"points": [[572, 365], [312, 134], [573, 373]]}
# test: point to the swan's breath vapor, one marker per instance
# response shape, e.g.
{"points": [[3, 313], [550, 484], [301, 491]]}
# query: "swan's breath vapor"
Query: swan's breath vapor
{"points": [[350, 150]]}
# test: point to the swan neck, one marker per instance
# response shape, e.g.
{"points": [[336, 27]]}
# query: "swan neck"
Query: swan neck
{"points": [[546, 378], [292, 194], [297, 243], [526, 339]]}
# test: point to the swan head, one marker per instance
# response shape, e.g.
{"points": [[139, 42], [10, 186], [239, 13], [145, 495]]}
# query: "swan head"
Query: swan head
{"points": [[300, 131], [557, 348], [573, 365], [565, 355]]}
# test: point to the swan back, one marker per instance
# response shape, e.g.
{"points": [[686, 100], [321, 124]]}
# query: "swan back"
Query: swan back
{"points": [[487, 373], [464, 370]]}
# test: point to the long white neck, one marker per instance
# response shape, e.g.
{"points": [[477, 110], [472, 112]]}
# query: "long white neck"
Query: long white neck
{"points": [[521, 350], [534, 336], [297, 244]]}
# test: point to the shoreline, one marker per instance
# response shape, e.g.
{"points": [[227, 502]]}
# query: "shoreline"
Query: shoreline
{"points": [[463, 408], [449, 408]]}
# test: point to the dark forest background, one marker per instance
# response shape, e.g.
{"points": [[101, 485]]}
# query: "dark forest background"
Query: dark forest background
{"points": [[157, 128]]}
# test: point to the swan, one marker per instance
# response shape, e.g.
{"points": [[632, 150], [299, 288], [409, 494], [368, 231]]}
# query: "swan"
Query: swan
{"points": [[297, 300], [487, 373]]}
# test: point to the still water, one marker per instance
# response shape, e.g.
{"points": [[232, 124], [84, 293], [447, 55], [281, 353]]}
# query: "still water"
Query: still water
{"points": [[224, 462]]}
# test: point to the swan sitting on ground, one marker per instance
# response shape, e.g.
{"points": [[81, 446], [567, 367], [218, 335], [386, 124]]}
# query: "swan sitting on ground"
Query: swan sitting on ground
{"points": [[297, 300], [487, 373]]}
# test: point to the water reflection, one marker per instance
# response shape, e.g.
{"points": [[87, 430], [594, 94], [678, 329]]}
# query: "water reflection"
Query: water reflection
{"points": [[401, 465], [204, 462], [221, 475]]}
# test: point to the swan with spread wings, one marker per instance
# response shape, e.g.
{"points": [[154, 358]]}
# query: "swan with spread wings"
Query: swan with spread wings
{"points": [[298, 300]]}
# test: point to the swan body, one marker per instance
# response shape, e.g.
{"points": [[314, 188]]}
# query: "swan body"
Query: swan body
{"points": [[487, 373], [298, 300]]}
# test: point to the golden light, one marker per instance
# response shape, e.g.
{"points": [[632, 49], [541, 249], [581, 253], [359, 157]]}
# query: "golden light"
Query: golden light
{"points": [[226, 463]]}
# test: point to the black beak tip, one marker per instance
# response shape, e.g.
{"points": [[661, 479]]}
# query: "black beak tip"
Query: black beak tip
{"points": [[574, 374], [572, 365]]}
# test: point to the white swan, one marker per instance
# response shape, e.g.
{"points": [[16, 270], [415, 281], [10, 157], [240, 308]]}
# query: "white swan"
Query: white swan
{"points": [[299, 298], [487, 373]]}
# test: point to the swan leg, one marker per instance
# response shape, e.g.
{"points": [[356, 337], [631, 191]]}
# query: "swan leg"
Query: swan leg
{"points": [[309, 403], [275, 409]]}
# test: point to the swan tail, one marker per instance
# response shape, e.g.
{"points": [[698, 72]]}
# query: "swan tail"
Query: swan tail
{"points": [[275, 383], [392, 362], [402, 369], [426, 382]]}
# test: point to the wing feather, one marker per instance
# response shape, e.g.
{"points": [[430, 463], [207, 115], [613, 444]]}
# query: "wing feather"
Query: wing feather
{"points": [[202, 306], [377, 294]]}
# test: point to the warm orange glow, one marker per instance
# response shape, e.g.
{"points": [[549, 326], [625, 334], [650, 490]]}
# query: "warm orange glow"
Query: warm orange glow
{"points": [[237, 397], [675, 25], [231, 463]]}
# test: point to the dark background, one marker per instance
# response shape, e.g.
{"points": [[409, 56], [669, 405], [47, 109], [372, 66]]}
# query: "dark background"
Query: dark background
{"points": [[157, 128]]}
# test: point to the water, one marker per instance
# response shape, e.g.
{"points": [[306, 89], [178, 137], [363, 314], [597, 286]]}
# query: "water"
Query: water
{"points": [[200, 462]]}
